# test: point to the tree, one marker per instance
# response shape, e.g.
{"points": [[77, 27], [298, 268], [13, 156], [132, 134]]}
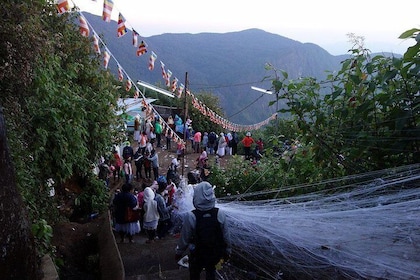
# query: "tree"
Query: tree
{"points": [[16, 72], [361, 118], [59, 110]]}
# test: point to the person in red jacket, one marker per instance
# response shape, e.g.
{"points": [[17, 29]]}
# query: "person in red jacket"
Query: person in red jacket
{"points": [[260, 145], [117, 163], [247, 142]]}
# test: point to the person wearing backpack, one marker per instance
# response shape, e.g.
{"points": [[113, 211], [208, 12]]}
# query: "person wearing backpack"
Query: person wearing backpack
{"points": [[138, 162], [235, 141], [128, 151], [105, 172], [211, 144], [204, 233]]}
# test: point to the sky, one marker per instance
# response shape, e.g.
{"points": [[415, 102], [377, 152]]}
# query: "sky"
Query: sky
{"points": [[322, 22]]}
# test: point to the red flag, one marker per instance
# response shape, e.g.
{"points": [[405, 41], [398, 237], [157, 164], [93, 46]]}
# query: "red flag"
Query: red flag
{"points": [[107, 11], [142, 48], [62, 6], [84, 28], [121, 26]]}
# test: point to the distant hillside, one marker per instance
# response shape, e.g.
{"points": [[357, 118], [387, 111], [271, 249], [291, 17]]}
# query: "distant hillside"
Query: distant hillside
{"points": [[226, 65]]}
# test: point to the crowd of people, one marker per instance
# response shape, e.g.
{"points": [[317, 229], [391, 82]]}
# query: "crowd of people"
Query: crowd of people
{"points": [[154, 201], [187, 211], [143, 163]]}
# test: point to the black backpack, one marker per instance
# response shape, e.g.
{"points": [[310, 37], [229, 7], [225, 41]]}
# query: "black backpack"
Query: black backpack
{"points": [[208, 237], [103, 171], [127, 152], [212, 138]]}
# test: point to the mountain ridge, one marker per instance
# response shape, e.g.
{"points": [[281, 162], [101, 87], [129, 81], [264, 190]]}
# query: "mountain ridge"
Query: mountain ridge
{"points": [[224, 64]]}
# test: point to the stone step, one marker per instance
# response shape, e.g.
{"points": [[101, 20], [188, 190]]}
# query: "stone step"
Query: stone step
{"points": [[151, 261], [178, 274]]}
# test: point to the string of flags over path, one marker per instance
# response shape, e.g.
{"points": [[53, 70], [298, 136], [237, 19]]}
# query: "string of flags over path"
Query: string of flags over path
{"points": [[171, 81]]}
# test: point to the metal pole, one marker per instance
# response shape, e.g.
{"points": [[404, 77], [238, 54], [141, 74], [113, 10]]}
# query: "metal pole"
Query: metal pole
{"points": [[185, 120]]}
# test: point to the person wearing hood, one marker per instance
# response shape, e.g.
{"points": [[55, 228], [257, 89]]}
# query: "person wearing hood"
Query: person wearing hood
{"points": [[221, 145], [151, 214], [229, 140], [164, 210], [204, 233]]}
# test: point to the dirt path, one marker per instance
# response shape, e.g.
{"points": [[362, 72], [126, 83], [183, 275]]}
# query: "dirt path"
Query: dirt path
{"points": [[151, 261]]}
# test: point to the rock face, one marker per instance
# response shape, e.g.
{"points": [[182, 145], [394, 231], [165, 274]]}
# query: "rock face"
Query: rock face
{"points": [[18, 257]]}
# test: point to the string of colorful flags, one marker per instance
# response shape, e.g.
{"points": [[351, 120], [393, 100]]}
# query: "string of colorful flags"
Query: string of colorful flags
{"points": [[142, 48]]}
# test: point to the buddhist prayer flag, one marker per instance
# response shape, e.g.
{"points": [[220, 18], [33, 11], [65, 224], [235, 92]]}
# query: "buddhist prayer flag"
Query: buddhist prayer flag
{"points": [[135, 38], [107, 11], [128, 85], [162, 66], [84, 28], [180, 90], [121, 26], [136, 93], [62, 6], [120, 74], [168, 78], [96, 44], [142, 48], [174, 84], [106, 59], [152, 59]]}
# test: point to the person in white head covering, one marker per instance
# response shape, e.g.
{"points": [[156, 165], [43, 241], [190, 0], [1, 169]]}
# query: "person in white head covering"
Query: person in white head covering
{"points": [[221, 147], [208, 219], [151, 214], [229, 139]]}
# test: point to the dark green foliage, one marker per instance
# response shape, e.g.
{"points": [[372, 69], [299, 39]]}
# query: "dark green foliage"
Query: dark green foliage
{"points": [[94, 198], [72, 105], [362, 118], [59, 106]]}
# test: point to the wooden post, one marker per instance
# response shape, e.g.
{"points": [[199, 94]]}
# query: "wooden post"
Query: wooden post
{"points": [[185, 126]]}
